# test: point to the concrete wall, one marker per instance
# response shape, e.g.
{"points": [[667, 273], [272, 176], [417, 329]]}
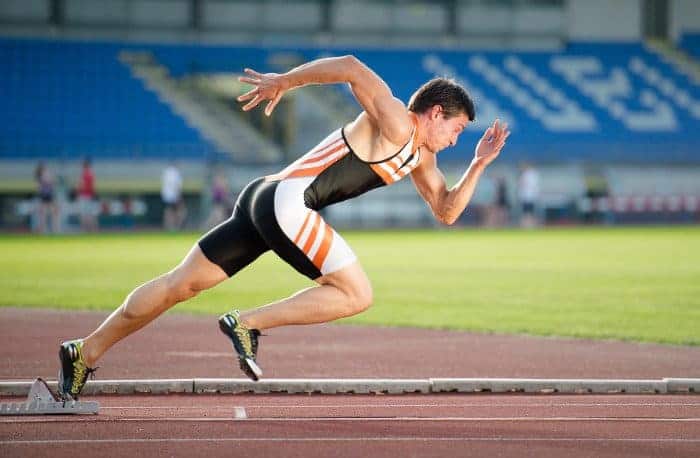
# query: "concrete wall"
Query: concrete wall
{"points": [[360, 17], [511, 24], [162, 13], [379, 17], [684, 17], [475, 18], [24, 10], [604, 20]]}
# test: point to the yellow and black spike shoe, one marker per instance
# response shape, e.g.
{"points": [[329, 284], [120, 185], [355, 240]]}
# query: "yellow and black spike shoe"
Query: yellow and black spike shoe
{"points": [[245, 343], [73, 372]]}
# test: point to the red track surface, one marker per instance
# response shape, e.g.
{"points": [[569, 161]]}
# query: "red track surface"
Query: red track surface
{"points": [[184, 346], [351, 425], [370, 425]]}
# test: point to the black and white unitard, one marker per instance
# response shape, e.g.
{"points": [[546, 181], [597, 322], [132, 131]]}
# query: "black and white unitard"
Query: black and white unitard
{"points": [[280, 212]]}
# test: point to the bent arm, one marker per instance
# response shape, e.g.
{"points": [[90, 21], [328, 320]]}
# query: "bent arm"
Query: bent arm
{"points": [[386, 111], [329, 70], [446, 205]]}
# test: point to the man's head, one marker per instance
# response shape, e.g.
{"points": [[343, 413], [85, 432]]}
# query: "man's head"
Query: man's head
{"points": [[445, 109]]}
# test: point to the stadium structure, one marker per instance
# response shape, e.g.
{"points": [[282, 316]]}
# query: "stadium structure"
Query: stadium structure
{"points": [[602, 97]]}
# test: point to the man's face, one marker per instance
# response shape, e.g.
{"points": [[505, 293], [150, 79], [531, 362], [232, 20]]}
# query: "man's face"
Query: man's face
{"points": [[444, 132]]}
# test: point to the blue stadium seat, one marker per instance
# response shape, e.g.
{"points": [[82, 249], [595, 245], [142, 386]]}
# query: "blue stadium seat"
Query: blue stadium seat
{"points": [[600, 102], [587, 102], [71, 99], [690, 42]]}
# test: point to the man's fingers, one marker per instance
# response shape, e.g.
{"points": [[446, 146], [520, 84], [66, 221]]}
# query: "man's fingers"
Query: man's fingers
{"points": [[246, 79], [495, 131], [272, 104], [502, 132], [248, 95], [505, 136], [502, 141], [252, 72], [253, 103]]}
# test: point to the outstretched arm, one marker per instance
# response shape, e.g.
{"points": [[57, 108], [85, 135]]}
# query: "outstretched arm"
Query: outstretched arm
{"points": [[446, 204], [386, 111]]}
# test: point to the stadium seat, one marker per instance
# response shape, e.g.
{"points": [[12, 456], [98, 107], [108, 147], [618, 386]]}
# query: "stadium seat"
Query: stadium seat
{"points": [[593, 102]]}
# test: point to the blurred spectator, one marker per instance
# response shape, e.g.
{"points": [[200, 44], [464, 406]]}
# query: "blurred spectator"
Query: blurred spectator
{"points": [[498, 213], [46, 205], [219, 201], [528, 194], [175, 211], [86, 198], [128, 219], [597, 189]]}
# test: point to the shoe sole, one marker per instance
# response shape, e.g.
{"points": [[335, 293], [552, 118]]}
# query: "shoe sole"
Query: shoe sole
{"points": [[254, 371], [248, 366], [62, 393]]}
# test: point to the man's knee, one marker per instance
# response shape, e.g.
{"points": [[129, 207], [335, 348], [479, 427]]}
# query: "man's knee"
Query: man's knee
{"points": [[354, 284], [365, 298], [360, 297]]}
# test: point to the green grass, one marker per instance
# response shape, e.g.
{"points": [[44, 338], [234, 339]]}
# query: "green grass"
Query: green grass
{"points": [[639, 284], [106, 185]]}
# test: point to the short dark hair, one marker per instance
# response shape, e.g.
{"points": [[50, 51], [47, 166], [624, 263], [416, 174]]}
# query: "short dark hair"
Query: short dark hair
{"points": [[447, 93]]}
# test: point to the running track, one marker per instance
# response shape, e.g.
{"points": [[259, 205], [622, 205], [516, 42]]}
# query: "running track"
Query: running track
{"points": [[517, 425], [369, 425]]}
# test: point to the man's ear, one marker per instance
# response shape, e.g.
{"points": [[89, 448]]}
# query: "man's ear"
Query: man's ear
{"points": [[436, 111]]}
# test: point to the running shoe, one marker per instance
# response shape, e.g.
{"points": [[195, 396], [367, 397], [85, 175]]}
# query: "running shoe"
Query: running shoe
{"points": [[245, 342], [73, 372]]}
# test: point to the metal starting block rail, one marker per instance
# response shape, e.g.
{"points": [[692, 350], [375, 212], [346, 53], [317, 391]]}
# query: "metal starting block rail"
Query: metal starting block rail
{"points": [[41, 401]]}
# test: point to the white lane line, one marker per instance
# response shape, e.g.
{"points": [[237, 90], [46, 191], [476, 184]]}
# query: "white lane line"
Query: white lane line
{"points": [[438, 419], [239, 413], [359, 418], [346, 439], [382, 406]]}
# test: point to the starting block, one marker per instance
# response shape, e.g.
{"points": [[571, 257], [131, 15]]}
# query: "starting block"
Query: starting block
{"points": [[41, 401]]}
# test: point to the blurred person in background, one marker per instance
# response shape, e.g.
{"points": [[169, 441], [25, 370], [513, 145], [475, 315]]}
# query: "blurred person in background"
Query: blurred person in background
{"points": [[47, 208], [86, 198], [499, 212], [219, 201], [528, 194], [174, 210], [280, 212], [597, 190]]}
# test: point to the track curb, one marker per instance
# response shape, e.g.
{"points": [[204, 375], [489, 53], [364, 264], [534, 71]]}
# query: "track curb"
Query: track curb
{"points": [[361, 386]]}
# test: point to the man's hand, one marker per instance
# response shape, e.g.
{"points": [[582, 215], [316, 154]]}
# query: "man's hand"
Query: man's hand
{"points": [[491, 143], [268, 86]]}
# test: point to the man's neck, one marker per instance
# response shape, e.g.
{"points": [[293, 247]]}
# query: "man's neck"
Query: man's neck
{"points": [[419, 135]]}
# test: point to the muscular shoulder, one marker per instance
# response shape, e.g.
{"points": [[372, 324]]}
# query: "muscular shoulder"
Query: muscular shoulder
{"points": [[395, 125], [371, 143]]}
